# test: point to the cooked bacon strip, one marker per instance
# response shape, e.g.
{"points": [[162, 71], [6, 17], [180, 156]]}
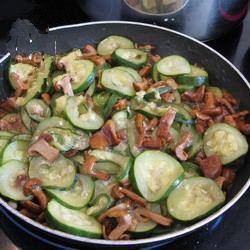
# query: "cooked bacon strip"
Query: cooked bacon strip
{"points": [[200, 115], [168, 97], [109, 131], [143, 72], [88, 168], [229, 176], [185, 142], [158, 218], [89, 50], [230, 98], [43, 148], [121, 104], [213, 111], [65, 84], [98, 141], [227, 104], [119, 192], [154, 58], [13, 123], [35, 59], [209, 100], [165, 123], [9, 104], [210, 166], [46, 98], [19, 84], [142, 86], [196, 96], [152, 143]]}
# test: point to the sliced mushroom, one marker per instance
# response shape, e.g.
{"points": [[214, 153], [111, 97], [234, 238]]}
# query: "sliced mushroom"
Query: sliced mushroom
{"points": [[194, 96], [185, 142], [65, 85], [34, 59], [143, 72], [88, 167], [19, 84]]}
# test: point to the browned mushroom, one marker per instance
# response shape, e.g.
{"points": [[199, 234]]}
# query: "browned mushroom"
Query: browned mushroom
{"points": [[65, 85], [19, 84], [13, 123], [143, 72], [89, 50], [142, 86], [42, 147], [88, 167], [98, 141], [121, 104], [185, 142], [194, 96], [34, 59]]}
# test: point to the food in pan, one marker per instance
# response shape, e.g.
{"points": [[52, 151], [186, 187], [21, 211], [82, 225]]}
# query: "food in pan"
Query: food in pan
{"points": [[114, 141]]}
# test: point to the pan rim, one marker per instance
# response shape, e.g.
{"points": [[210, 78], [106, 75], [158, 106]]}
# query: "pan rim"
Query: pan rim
{"points": [[154, 239]]}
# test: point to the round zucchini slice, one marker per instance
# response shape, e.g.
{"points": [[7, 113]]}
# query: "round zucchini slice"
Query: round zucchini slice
{"points": [[8, 174], [133, 58], [72, 221], [225, 141], [173, 65], [38, 110], [119, 80], [155, 174], [78, 196], [111, 43], [58, 174], [194, 198], [82, 116], [15, 150]]}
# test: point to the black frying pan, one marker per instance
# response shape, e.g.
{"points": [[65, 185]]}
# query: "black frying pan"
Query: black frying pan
{"points": [[222, 73]]}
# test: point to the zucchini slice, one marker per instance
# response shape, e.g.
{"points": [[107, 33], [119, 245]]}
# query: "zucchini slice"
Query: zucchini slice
{"points": [[124, 162], [58, 174], [173, 65], [72, 221], [111, 43], [23, 70], [133, 58], [196, 77], [225, 141], [8, 174], [155, 174], [101, 203], [120, 80], [16, 150], [82, 116], [78, 196], [194, 198], [38, 110]]}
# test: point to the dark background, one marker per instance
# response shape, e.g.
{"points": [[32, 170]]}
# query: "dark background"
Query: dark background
{"points": [[229, 232]]}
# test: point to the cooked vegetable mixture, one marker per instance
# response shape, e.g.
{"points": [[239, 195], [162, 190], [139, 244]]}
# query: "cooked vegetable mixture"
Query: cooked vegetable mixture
{"points": [[115, 141]]}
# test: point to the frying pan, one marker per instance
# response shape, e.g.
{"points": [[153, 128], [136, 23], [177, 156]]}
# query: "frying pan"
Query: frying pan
{"points": [[221, 72]]}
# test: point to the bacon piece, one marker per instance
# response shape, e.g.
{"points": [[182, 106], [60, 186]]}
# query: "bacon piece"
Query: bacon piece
{"points": [[42, 147], [65, 84], [158, 218], [192, 96], [142, 86], [220, 181], [88, 168], [154, 58], [121, 104], [211, 166], [227, 104], [152, 143], [243, 127], [185, 142], [168, 97], [89, 50], [229, 176], [165, 123], [71, 153], [9, 104], [46, 98], [213, 111], [143, 72], [209, 100], [19, 84], [35, 59], [119, 192], [110, 133], [230, 98], [98, 141], [13, 123]]}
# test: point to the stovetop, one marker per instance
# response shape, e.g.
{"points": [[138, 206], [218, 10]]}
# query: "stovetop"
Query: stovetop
{"points": [[230, 231]]}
